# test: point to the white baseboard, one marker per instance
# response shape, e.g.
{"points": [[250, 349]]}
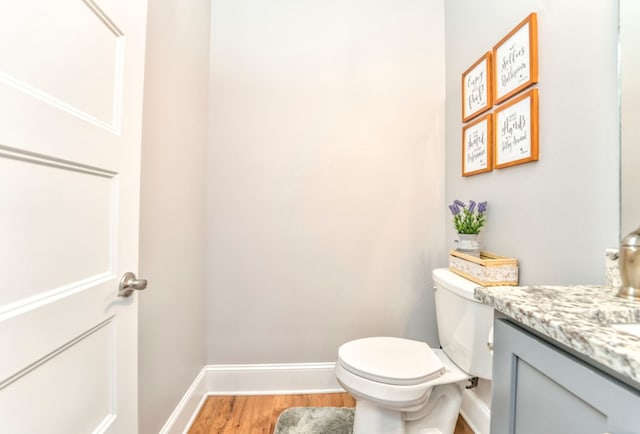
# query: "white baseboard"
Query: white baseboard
{"points": [[475, 413], [272, 379], [185, 412], [262, 379]]}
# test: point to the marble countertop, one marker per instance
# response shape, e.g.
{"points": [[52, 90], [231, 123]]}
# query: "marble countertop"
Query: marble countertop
{"points": [[577, 317]]}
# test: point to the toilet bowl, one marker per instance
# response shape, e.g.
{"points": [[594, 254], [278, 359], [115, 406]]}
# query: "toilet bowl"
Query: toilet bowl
{"points": [[401, 386]]}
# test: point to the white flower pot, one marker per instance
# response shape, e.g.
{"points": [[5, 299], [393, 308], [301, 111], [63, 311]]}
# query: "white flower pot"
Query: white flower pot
{"points": [[468, 243]]}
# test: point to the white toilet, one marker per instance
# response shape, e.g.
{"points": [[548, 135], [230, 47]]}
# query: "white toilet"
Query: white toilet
{"points": [[403, 386]]}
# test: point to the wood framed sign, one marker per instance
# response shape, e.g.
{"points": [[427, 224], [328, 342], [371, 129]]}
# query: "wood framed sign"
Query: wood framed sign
{"points": [[477, 139], [516, 131], [515, 60], [476, 88]]}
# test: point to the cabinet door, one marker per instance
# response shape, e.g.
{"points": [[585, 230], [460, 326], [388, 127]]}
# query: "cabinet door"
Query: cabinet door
{"points": [[538, 388]]}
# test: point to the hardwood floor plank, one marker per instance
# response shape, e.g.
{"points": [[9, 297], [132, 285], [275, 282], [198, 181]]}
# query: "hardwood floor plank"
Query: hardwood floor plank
{"points": [[257, 414], [462, 427]]}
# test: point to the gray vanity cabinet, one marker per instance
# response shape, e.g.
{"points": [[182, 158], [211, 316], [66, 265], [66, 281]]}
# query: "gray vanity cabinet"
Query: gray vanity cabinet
{"points": [[538, 388]]}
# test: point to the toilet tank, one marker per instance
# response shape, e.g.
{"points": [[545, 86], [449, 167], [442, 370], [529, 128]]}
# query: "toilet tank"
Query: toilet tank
{"points": [[463, 323]]}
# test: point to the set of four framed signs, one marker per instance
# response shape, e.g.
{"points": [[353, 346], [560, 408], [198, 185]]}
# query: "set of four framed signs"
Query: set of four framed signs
{"points": [[508, 134]]}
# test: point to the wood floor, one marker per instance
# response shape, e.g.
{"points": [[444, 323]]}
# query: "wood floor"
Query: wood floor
{"points": [[257, 414]]}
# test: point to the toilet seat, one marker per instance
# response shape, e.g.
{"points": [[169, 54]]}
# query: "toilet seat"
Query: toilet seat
{"points": [[393, 361], [399, 397]]}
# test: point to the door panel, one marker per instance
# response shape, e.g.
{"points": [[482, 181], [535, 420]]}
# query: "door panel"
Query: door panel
{"points": [[542, 406], [54, 211], [79, 28], [71, 79], [79, 375]]}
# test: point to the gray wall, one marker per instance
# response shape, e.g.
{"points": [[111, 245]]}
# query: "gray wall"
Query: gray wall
{"points": [[556, 215], [325, 175], [630, 113], [172, 226]]}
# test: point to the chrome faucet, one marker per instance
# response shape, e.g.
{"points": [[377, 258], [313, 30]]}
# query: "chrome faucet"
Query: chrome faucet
{"points": [[629, 262]]}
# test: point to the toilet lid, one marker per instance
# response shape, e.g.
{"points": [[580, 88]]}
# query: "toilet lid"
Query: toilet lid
{"points": [[391, 360]]}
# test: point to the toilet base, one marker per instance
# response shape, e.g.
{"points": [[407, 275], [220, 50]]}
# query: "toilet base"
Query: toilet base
{"points": [[437, 417], [441, 412], [370, 418]]}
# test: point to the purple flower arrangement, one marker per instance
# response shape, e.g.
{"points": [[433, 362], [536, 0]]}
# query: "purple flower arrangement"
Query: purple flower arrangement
{"points": [[468, 219]]}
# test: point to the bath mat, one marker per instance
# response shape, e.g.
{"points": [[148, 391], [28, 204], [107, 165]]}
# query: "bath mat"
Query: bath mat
{"points": [[315, 420]]}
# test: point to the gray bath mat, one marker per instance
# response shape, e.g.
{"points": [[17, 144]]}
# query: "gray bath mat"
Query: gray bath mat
{"points": [[315, 420]]}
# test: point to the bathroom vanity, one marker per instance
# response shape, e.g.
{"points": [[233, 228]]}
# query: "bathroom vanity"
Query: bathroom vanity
{"points": [[561, 364]]}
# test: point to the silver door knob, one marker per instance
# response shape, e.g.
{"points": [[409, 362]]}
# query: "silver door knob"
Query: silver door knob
{"points": [[129, 283]]}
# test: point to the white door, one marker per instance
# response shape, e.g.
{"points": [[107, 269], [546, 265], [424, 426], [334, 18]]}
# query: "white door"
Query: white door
{"points": [[71, 77]]}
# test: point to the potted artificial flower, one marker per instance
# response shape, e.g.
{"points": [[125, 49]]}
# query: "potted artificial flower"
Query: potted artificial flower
{"points": [[468, 220]]}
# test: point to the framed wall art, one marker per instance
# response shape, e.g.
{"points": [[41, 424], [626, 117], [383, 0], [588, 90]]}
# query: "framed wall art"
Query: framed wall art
{"points": [[476, 88], [516, 131], [477, 139], [515, 60]]}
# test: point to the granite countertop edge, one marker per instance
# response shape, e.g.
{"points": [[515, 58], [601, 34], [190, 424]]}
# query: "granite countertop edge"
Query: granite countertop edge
{"points": [[578, 317]]}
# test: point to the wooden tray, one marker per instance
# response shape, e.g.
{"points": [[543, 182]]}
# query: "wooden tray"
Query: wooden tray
{"points": [[487, 270]]}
